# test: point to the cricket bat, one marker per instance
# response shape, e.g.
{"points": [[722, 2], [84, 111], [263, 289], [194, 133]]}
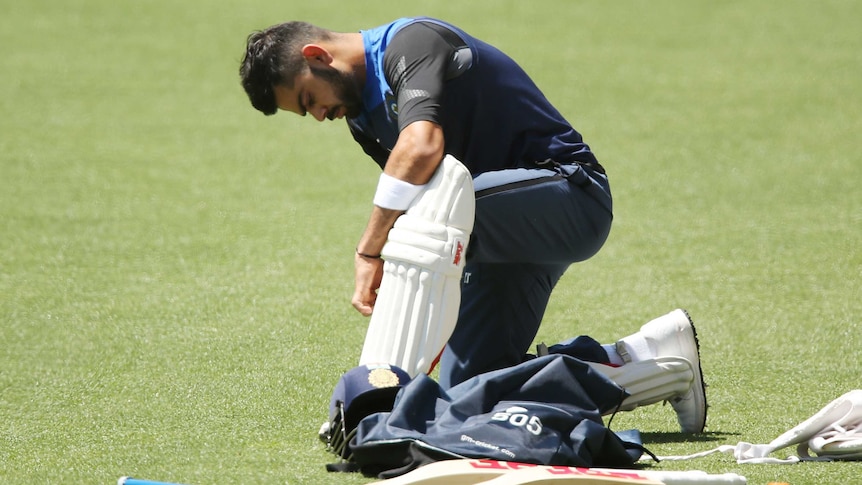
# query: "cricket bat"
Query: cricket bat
{"points": [[574, 476], [469, 472]]}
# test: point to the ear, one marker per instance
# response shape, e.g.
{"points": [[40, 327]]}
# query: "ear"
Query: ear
{"points": [[316, 55]]}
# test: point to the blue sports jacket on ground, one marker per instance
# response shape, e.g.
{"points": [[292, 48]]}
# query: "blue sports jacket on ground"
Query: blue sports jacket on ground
{"points": [[545, 411]]}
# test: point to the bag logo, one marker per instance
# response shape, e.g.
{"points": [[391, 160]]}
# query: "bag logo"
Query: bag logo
{"points": [[517, 416]]}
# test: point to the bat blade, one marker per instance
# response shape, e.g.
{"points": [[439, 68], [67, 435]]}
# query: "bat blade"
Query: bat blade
{"points": [[473, 471], [469, 472], [454, 472], [570, 475]]}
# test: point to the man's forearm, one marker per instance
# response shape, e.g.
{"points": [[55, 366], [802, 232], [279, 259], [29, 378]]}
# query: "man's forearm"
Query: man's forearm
{"points": [[377, 230], [415, 157]]}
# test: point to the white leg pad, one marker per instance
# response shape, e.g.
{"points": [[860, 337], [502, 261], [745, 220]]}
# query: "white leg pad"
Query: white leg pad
{"points": [[650, 381], [420, 293]]}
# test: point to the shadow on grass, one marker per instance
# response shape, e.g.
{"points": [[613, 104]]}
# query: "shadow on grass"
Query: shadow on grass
{"points": [[669, 437]]}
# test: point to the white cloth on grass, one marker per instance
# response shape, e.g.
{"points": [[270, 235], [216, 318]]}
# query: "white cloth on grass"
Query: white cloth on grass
{"points": [[833, 433]]}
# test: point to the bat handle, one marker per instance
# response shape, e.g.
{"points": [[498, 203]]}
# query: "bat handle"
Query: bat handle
{"points": [[138, 481]]}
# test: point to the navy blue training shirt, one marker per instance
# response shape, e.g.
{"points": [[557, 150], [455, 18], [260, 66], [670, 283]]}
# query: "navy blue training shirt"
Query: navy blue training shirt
{"points": [[492, 114]]}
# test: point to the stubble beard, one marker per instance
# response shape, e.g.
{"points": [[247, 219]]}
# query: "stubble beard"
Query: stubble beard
{"points": [[346, 89]]}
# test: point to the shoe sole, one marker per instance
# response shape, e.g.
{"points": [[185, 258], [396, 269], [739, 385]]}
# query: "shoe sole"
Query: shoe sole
{"points": [[700, 392]]}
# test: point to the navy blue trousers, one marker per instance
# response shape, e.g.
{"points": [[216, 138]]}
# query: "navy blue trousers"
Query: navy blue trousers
{"points": [[531, 225]]}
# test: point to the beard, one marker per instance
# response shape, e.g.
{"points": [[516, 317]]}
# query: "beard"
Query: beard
{"points": [[346, 89]]}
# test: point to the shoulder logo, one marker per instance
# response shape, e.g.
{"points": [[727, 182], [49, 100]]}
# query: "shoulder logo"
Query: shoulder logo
{"points": [[391, 105]]}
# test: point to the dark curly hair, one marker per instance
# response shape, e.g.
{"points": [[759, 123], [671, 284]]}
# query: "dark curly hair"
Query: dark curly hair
{"points": [[273, 57]]}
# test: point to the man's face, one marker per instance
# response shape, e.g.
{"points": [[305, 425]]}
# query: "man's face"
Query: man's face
{"points": [[325, 93]]}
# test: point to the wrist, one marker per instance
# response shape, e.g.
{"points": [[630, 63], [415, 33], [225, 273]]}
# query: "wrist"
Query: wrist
{"points": [[367, 255], [395, 194]]}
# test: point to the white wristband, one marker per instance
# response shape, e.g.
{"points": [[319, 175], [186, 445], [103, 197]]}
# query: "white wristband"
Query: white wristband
{"points": [[395, 194]]}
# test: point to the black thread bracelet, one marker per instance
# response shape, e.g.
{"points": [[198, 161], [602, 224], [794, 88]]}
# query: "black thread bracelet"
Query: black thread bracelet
{"points": [[369, 256]]}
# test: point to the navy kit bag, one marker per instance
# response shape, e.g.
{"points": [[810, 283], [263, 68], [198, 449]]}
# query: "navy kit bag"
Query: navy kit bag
{"points": [[546, 411]]}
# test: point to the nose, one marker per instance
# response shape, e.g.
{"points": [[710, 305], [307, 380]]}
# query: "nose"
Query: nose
{"points": [[319, 113]]}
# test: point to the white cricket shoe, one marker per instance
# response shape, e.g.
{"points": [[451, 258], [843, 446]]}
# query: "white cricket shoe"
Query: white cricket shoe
{"points": [[672, 335]]}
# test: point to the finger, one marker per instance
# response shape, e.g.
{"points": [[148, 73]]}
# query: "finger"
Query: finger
{"points": [[362, 305]]}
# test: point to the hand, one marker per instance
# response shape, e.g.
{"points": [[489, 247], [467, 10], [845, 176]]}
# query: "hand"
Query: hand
{"points": [[368, 274]]}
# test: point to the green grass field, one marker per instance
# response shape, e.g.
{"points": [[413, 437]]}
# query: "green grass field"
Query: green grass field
{"points": [[175, 268]]}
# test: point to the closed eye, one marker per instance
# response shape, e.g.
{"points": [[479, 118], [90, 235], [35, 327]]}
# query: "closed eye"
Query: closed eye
{"points": [[309, 102], [302, 104]]}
